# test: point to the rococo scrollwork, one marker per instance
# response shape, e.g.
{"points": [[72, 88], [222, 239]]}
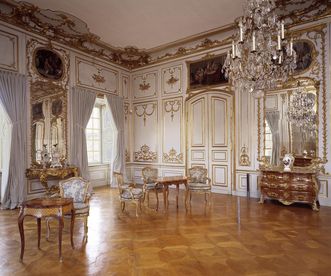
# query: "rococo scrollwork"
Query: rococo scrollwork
{"points": [[145, 154], [144, 112], [172, 107], [173, 157]]}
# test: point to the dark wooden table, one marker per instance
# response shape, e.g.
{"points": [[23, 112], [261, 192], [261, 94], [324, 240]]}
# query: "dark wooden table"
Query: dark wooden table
{"points": [[171, 180], [46, 207]]}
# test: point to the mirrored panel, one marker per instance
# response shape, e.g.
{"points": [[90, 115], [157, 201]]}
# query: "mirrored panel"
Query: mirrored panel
{"points": [[291, 124], [49, 120]]}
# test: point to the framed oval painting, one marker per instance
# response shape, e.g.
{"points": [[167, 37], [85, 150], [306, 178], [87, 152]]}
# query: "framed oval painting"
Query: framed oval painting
{"points": [[305, 55], [48, 64]]}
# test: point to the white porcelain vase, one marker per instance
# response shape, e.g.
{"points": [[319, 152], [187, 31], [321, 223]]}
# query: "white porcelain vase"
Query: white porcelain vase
{"points": [[288, 161]]}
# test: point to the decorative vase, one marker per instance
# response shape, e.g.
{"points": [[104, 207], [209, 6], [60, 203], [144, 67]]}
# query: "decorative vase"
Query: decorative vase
{"points": [[288, 161]]}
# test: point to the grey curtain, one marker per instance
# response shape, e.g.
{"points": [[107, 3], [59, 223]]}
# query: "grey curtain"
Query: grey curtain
{"points": [[116, 105], [13, 97], [273, 122], [82, 103]]}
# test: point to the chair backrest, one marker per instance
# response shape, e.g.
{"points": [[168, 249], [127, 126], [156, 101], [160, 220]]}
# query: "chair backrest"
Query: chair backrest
{"points": [[149, 174], [75, 188], [197, 174], [119, 180]]}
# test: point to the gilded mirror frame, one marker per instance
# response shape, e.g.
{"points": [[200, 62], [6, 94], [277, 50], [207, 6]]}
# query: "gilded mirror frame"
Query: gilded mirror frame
{"points": [[261, 115]]}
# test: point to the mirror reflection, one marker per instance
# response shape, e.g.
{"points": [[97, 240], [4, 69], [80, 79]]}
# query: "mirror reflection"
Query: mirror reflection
{"points": [[291, 125], [48, 126]]}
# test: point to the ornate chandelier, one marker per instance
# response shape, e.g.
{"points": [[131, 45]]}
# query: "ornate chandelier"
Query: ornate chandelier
{"points": [[301, 112], [260, 55]]}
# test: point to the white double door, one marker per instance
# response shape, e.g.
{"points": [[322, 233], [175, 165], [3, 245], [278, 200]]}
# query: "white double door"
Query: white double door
{"points": [[209, 137]]}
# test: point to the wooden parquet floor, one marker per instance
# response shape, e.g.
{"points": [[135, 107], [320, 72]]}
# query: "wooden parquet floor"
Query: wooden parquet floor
{"points": [[235, 236]]}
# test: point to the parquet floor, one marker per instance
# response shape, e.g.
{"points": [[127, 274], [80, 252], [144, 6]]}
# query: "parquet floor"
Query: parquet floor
{"points": [[235, 236]]}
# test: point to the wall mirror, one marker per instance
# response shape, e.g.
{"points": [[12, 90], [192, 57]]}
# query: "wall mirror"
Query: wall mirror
{"points": [[287, 126], [49, 120]]}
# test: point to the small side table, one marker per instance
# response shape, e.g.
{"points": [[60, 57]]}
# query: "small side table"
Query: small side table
{"points": [[46, 207]]}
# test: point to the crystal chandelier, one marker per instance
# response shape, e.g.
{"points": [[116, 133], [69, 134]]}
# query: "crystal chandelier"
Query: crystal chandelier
{"points": [[301, 111], [260, 55]]}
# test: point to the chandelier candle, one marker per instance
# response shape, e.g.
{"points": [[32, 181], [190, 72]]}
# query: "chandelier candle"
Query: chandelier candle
{"points": [[261, 57]]}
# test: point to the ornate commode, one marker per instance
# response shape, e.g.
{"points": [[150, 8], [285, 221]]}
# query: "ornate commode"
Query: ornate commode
{"points": [[297, 185]]}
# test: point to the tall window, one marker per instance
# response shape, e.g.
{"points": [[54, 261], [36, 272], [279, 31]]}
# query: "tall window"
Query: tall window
{"points": [[268, 140], [93, 136], [99, 134]]}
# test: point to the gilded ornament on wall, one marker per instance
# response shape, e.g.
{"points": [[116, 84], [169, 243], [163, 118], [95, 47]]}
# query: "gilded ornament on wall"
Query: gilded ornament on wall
{"points": [[172, 107], [145, 154], [127, 156], [173, 157], [145, 113], [244, 158], [144, 86], [98, 77]]}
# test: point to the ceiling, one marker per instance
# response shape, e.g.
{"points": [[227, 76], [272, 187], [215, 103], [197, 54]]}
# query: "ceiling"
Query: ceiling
{"points": [[147, 24]]}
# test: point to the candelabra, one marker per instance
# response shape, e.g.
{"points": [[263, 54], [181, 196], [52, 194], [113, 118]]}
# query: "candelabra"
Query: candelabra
{"points": [[260, 56]]}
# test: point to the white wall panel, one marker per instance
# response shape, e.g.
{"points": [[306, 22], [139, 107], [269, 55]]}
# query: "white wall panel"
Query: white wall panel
{"points": [[197, 123], [96, 76], [219, 122], [145, 85], [9, 51], [172, 80]]}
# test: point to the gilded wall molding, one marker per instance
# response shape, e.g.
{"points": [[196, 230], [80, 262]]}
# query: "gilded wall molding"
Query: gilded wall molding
{"points": [[145, 154], [172, 106], [173, 157], [71, 31], [144, 112]]}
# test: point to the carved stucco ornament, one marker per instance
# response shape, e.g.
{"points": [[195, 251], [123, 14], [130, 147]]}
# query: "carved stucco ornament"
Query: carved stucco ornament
{"points": [[145, 154]]}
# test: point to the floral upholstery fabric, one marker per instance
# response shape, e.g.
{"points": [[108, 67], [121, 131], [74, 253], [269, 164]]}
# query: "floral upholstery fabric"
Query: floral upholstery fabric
{"points": [[75, 189], [81, 208], [136, 192], [149, 174], [198, 186], [198, 175]]}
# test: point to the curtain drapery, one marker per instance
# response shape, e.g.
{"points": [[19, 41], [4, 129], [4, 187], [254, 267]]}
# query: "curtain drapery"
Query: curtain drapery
{"points": [[13, 97], [273, 122], [82, 103], [116, 105]]}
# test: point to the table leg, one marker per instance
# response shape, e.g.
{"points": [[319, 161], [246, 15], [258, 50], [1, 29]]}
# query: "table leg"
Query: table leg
{"points": [[165, 197], [60, 236], [21, 228], [39, 227], [72, 228], [177, 187]]}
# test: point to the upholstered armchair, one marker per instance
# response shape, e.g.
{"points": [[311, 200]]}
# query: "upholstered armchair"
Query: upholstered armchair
{"points": [[77, 189], [198, 182], [128, 193], [149, 176]]}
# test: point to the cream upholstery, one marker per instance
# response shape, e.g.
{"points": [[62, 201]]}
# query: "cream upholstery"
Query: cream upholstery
{"points": [[128, 193], [198, 182], [149, 176]]}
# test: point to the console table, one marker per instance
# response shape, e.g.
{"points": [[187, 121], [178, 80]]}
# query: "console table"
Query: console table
{"points": [[44, 174], [298, 185]]}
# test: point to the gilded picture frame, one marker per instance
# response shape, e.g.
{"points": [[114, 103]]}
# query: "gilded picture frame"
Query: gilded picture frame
{"points": [[206, 72]]}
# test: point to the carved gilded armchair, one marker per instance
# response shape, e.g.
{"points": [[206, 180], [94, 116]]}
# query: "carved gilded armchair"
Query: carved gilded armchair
{"points": [[77, 189], [149, 176], [198, 182], [128, 193]]}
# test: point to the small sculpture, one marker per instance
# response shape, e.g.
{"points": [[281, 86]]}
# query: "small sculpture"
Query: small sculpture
{"points": [[45, 158], [288, 161], [56, 157]]}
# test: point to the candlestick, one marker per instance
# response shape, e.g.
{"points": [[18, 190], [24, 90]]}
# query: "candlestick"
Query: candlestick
{"points": [[253, 42], [233, 50], [282, 29], [279, 47], [241, 32], [291, 46]]}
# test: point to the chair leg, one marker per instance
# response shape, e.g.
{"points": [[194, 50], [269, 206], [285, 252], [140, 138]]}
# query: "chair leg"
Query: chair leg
{"points": [[206, 197], [122, 206], [147, 199], [157, 200], [137, 203], [48, 228], [85, 228], [190, 197]]}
